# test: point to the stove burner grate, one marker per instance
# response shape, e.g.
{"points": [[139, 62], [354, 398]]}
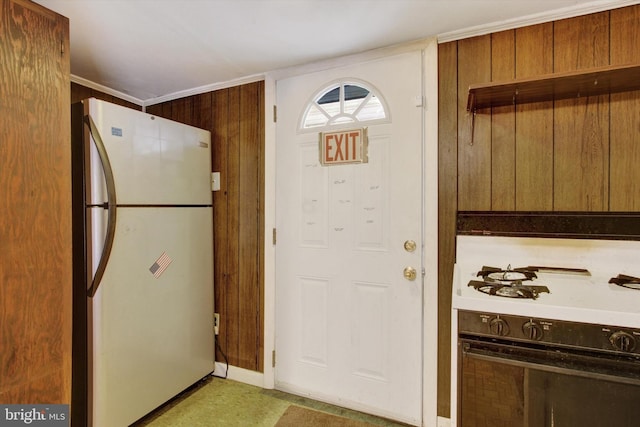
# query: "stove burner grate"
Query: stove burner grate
{"points": [[626, 281], [509, 275], [509, 290]]}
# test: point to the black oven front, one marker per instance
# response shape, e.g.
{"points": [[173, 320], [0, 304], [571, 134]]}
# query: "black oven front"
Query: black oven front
{"points": [[519, 371]]}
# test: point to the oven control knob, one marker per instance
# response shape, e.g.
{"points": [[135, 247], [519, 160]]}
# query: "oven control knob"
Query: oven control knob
{"points": [[499, 327], [532, 330], [623, 341]]}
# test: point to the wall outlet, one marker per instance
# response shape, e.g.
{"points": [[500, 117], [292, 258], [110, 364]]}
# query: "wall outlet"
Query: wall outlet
{"points": [[216, 323]]}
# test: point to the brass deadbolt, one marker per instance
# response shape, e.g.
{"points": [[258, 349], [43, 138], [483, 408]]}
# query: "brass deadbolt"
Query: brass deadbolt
{"points": [[410, 273]]}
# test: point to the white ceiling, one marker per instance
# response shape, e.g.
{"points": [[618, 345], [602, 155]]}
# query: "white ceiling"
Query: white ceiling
{"points": [[147, 49]]}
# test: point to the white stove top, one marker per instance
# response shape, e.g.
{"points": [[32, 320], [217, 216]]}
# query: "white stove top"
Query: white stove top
{"points": [[572, 297]]}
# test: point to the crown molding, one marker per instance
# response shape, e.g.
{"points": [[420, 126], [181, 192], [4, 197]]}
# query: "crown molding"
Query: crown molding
{"points": [[538, 18], [203, 89], [105, 89], [169, 97]]}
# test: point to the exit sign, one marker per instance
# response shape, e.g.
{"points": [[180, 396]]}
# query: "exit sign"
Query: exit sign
{"points": [[343, 147]]}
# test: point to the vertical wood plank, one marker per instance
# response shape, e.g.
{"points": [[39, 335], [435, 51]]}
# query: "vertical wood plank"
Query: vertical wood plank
{"points": [[534, 123], [196, 111], [474, 186], [248, 203], [625, 115], [35, 195], [503, 125], [219, 153], [167, 108], [187, 114], [447, 207], [205, 119], [581, 126], [179, 110], [234, 295], [155, 110]]}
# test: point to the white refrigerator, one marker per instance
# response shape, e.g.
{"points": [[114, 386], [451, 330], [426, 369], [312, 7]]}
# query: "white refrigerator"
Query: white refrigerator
{"points": [[143, 262]]}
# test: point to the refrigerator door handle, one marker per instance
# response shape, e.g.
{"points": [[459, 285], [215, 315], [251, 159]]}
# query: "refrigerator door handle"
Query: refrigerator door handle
{"points": [[111, 206]]}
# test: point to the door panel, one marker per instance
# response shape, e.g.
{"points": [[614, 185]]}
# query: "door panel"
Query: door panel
{"points": [[344, 311]]}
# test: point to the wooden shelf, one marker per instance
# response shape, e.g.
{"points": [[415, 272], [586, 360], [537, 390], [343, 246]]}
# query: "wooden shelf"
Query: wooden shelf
{"points": [[575, 84]]}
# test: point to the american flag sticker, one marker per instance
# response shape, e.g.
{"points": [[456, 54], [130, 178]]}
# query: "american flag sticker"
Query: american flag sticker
{"points": [[160, 265]]}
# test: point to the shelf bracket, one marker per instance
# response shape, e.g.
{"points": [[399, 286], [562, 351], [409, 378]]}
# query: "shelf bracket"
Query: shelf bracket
{"points": [[473, 125]]}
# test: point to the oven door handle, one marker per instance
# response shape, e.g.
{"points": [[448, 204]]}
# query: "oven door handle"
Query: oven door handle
{"points": [[540, 364]]}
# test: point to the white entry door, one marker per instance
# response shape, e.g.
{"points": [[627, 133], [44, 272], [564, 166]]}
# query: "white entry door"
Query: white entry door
{"points": [[348, 321]]}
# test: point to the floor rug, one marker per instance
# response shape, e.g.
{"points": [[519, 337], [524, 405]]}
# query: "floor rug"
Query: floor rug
{"points": [[297, 416]]}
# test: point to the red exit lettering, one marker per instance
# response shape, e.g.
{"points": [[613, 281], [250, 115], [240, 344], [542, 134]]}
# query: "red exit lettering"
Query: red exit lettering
{"points": [[341, 147]]}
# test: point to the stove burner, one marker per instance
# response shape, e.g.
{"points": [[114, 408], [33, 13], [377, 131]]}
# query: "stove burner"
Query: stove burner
{"points": [[626, 281], [508, 275], [509, 290]]}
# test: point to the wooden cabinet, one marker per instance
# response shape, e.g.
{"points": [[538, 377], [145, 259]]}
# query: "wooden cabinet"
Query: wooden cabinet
{"points": [[35, 205]]}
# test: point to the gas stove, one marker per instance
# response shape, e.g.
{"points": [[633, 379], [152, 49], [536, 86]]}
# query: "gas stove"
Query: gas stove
{"points": [[548, 306], [581, 280]]}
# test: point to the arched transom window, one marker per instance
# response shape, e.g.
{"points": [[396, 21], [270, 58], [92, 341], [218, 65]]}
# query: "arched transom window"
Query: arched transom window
{"points": [[344, 103]]}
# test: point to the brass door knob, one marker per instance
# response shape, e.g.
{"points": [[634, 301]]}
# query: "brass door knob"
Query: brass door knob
{"points": [[409, 246], [410, 273]]}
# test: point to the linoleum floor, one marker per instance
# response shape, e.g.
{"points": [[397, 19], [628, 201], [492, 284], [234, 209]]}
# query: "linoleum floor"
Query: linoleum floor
{"points": [[224, 402]]}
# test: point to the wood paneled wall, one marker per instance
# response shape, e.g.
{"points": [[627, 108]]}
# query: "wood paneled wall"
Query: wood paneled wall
{"points": [[35, 206], [570, 155], [235, 117]]}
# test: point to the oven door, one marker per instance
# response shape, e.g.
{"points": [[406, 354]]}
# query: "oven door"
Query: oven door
{"points": [[502, 384]]}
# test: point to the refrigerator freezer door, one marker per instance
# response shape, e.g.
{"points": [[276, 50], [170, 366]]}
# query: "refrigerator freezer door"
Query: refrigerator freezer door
{"points": [[152, 329], [155, 161]]}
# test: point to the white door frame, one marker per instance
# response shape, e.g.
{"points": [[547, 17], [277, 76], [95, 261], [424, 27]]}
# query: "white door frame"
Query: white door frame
{"points": [[429, 49]]}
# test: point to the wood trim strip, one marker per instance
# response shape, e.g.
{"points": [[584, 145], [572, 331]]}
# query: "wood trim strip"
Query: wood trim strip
{"points": [[573, 225]]}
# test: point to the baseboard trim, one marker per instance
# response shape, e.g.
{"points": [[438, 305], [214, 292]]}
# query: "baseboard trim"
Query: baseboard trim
{"points": [[239, 374], [444, 422]]}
